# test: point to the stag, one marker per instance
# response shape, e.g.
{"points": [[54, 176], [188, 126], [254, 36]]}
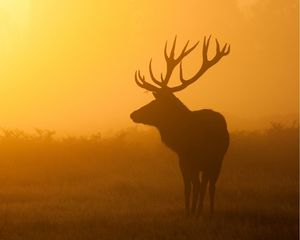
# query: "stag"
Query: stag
{"points": [[200, 138]]}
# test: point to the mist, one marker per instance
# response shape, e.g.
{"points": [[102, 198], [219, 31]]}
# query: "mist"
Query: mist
{"points": [[129, 185], [94, 146], [67, 67]]}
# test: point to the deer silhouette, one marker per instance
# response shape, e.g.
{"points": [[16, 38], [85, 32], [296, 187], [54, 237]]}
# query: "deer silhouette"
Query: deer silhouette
{"points": [[200, 138]]}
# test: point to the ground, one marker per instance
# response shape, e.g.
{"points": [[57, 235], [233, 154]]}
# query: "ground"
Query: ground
{"points": [[129, 189]]}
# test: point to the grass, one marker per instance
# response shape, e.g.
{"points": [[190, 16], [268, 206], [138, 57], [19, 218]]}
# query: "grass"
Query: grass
{"points": [[129, 187]]}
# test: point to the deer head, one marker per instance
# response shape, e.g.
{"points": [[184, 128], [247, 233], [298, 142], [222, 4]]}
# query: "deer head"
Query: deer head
{"points": [[166, 105]]}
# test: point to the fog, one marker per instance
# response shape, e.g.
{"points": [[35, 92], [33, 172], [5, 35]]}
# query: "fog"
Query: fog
{"points": [[69, 65]]}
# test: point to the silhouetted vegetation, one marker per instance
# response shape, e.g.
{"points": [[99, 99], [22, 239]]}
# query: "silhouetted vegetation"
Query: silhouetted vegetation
{"points": [[128, 186]]}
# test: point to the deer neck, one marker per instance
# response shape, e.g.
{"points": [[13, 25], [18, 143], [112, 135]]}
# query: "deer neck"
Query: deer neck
{"points": [[174, 129]]}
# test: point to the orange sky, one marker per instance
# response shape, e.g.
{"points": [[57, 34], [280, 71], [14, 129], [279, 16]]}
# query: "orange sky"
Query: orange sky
{"points": [[68, 65]]}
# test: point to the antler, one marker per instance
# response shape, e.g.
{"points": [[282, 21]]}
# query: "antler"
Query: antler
{"points": [[206, 64], [141, 82], [172, 62]]}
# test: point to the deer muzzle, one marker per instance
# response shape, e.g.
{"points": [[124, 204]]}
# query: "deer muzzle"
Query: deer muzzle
{"points": [[134, 117]]}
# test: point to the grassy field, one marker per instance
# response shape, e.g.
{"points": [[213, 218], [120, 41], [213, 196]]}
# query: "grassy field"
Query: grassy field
{"points": [[129, 187]]}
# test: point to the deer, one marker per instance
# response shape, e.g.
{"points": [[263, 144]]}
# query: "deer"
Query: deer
{"points": [[199, 138]]}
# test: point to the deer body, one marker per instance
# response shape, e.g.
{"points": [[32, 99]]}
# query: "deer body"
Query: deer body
{"points": [[200, 138]]}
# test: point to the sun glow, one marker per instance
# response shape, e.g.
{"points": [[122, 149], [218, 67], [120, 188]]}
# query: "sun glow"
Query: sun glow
{"points": [[14, 20], [62, 60], [15, 11]]}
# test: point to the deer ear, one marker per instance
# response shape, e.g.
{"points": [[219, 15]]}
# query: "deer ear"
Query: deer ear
{"points": [[155, 95]]}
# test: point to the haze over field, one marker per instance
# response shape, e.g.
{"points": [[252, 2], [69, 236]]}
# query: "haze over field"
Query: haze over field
{"points": [[73, 165], [68, 65]]}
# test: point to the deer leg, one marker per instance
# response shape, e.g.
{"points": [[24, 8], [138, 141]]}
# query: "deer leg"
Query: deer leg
{"points": [[202, 191], [196, 188], [212, 186], [187, 194], [187, 187], [212, 190]]}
